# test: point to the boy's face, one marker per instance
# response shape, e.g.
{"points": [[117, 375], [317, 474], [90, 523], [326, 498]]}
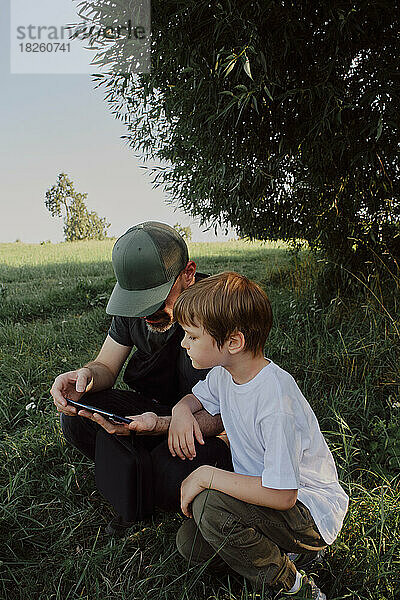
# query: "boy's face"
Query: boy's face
{"points": [[202, 348]]}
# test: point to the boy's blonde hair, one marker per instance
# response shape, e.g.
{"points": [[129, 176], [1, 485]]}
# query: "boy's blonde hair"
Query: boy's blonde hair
{"points": [[224, 304]]}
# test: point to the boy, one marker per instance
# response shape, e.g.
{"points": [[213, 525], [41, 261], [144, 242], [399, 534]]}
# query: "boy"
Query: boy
{"points": [[284, 495]]}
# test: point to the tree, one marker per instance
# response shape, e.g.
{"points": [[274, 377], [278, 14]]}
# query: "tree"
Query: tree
{"points": [[185, 232], [279, 118], [79, 224]]}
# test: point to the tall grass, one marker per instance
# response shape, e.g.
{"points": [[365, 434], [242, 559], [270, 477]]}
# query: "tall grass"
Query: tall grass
{"points": [[345, 356]]}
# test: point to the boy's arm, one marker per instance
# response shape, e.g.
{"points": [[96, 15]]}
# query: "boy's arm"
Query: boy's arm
{"points": [[184, 428], [243, 487]]}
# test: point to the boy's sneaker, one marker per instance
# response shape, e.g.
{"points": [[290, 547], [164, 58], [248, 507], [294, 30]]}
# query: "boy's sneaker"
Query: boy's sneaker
{"points": [[307, 591], [303, 561]]}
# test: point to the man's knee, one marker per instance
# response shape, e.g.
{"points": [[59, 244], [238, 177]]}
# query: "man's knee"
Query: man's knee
{"points": [[68, 427], [80, 433], [169, 472]]}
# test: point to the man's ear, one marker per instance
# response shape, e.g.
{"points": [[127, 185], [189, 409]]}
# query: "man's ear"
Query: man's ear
{"points": [[189, 273], [236, 342]]}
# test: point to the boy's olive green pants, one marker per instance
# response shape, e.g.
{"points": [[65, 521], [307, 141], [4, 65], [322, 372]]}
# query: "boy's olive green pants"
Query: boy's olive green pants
{"points": [[250, 539]]}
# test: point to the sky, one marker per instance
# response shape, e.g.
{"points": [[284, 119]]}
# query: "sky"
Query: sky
{"points": [[53, 123]]}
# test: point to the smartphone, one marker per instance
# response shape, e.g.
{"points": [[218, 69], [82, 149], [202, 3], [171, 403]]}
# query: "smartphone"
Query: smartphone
{"points": [[100, 411]]}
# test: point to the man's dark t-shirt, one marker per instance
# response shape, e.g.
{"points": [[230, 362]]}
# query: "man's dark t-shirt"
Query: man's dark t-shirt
{"points": [[159, 368]]}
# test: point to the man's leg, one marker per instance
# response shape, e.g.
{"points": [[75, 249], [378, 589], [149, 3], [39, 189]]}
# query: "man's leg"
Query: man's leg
{"points": [[80, 433], [170, 471], [250, 538]]}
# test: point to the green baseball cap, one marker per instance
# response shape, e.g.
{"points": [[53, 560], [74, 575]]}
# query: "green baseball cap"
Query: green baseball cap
{"points": [[147, 259]]}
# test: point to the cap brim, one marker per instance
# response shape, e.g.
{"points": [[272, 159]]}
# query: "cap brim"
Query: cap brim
{"points": [[137, 303]]}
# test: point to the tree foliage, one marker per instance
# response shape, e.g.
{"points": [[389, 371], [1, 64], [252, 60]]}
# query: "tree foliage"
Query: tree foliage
{"points": [[185, 232], [62, 200], [280, 118]]}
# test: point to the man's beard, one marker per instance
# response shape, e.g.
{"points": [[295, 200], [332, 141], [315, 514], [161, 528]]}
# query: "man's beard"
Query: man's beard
{"points": [[162, 322], [158, 328]]}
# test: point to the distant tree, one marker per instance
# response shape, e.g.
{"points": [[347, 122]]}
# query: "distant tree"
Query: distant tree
{"points": [[62, 200], [278, 118], [185, 232]]}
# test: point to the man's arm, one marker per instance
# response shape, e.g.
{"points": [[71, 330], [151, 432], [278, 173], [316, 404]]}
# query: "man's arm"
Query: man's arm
{"points": [[97, 375], [209, 425], [106, 366], [243, 487], [101, 374]]}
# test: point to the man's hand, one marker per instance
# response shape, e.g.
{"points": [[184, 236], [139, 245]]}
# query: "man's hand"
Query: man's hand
{"points": [[143, 424], [195, 483], [183, 429], [147, 423], [109, 426], [70, 385]]}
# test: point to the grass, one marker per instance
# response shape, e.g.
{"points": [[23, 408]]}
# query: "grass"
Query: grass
{"points": [[52, 319]]}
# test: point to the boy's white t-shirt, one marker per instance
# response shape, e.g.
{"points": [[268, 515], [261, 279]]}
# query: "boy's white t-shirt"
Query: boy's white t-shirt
{"points": [[274, 434]]}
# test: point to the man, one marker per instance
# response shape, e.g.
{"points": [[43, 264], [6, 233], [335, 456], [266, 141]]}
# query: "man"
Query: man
{"points": [[152, 268]]}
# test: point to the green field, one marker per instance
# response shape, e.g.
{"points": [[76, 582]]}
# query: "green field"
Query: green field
{"points": [[345, 357]]}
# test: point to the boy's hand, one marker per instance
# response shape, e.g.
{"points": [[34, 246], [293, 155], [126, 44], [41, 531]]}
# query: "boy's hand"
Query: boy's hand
{"points": [[195, 483], [182, 431]]}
